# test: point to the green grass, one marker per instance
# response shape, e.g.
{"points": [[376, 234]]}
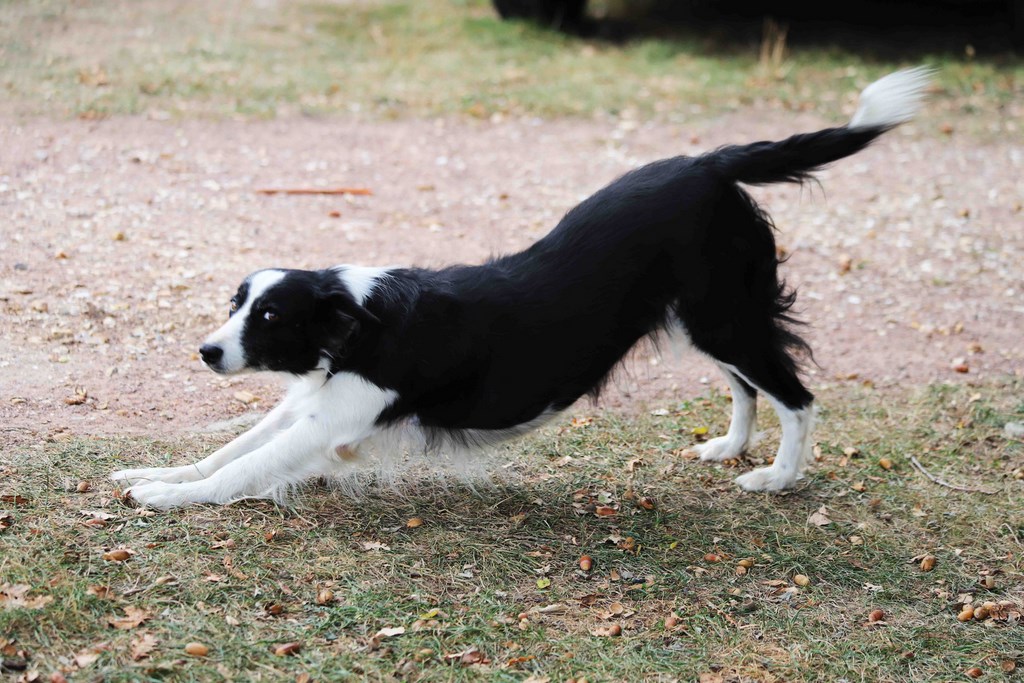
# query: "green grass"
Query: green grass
{"points": [[463, 578], [430, 57]]}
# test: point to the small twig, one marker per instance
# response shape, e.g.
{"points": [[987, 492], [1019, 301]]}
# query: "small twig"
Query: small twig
{"points": [[316, 190], [942, 482]]}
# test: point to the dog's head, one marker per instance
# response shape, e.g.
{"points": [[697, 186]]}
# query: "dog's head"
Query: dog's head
{"points": [[291, 321]]}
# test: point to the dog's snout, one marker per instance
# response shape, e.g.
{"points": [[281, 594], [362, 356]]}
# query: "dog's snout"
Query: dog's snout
{"points": [[211, 354]]}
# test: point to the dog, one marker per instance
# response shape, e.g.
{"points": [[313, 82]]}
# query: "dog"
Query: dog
{"points": [[471, 355]]}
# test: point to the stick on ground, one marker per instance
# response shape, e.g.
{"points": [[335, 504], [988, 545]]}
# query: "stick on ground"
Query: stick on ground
{"points": [[942, 482], [316, 190]]}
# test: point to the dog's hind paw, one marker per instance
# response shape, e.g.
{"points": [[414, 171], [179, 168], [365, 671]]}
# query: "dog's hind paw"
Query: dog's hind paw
{"points": [[171, 475], [766, 479], [719, 449]]}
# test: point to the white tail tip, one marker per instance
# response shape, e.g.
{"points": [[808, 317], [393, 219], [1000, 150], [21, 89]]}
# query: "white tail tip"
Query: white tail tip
{"points": [[892, 99]]}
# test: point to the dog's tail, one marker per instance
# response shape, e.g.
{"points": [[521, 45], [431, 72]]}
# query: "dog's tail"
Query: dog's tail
{"points": [[884, 104]]}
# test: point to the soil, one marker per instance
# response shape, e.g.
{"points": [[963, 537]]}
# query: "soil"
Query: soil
{"points": [[123, 239]]}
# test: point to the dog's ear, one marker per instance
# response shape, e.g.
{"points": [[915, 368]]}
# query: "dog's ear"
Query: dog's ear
{"points": [[341, 320]]}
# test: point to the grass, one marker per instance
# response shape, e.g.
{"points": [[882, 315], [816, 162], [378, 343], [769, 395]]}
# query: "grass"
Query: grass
{"points": [[245, 578], [424, 58], [463, 579]]}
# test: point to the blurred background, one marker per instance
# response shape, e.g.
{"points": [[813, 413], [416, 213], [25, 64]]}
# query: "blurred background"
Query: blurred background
{"points": [[263, 58]]}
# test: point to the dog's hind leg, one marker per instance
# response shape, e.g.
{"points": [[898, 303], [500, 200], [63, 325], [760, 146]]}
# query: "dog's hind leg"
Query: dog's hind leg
{"points": [[794, 404], [741, 427]]}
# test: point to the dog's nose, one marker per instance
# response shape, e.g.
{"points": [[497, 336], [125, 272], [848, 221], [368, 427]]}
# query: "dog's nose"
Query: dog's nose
{"points": [[211, 354]]}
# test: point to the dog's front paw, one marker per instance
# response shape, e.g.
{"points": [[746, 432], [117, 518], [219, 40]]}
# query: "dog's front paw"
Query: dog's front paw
{"points": [[766, 479], [171, 475], [160, 495]]}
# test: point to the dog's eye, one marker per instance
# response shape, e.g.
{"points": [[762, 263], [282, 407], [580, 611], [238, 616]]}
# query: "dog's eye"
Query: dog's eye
{"points": [[270, 316], [234, 305]]}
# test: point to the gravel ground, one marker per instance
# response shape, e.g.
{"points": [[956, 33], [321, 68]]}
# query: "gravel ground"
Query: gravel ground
{"points": [[122, 241]]}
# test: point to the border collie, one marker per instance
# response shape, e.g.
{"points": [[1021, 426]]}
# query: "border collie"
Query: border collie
{"points": [[470, 355]]}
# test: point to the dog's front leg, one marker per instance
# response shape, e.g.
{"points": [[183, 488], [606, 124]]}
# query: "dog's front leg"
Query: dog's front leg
{"points": [[343, 413], [279, 418]]}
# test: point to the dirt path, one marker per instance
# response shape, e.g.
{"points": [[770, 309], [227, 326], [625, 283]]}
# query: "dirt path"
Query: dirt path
{"points": [[122, 240]]}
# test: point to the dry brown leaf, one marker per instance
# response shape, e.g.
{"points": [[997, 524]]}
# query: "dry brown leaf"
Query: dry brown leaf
{"points": [[101, 592], [287, 649], [819, 517], [16, 596], [386, 633], [85, 658], [133, 616], [711, 677], [142, 645], [117, 555], [374, 545], [609, 631], [467, 657], [245, 397]]}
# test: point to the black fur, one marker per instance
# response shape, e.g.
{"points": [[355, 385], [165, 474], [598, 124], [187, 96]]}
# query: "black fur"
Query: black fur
{"points": [[497, 345]]}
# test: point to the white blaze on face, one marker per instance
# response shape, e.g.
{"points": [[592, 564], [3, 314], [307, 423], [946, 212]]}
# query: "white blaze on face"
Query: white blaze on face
{"points": [[229, 336]]}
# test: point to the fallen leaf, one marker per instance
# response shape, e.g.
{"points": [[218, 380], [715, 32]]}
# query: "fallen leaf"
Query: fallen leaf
{"points": [[554, 608], [118, 555], [286, 649], [133, 616], [414, 522], [197, 649], [246, 397], [386, 633], [101, 592], [467, 657], [143, 645], [16, 596], [609, 631], [543, 582], [97, 514], [374, 545], [819, 517], [85, 658]]}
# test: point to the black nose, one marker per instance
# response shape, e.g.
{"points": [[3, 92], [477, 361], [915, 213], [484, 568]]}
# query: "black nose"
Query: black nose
{"points": [[211, 354]]}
